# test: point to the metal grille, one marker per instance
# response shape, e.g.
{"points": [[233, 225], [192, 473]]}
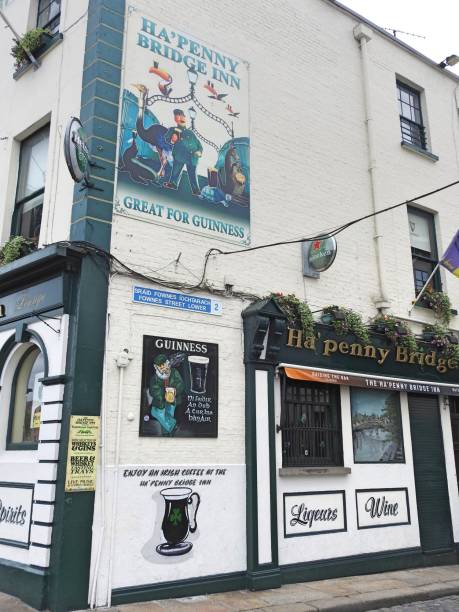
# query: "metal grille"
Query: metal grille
{"points": [[413, 133], [310, 424]]}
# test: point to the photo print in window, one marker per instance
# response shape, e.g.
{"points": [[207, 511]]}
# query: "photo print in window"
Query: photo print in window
{"points": [[376, 426]]}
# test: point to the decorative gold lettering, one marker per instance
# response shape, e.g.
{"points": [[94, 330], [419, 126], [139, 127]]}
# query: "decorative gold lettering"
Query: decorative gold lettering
{"points": [[330, 346], [431, 359], [310, 343], [356, 350], [369, 351], [401, 354], [417, 358], [452, 364], [383, 354], [343, 348], [441, 367], [294, 337]]}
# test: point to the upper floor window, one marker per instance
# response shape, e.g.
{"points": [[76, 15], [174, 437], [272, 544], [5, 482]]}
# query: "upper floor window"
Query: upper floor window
{"points": [[31, 185], [423, 248], [25, 412], [49, 14], [411, 124], [311, 424]]}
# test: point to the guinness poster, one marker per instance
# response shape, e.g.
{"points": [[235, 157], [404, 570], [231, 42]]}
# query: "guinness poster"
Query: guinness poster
{"points": [[179, 388]]}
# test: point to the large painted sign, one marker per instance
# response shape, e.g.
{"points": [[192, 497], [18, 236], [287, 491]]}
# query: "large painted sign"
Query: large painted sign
{"points": [[314, 513], [382, 507], [15, 513], [179, 521], [179, 388], [183, 151]]}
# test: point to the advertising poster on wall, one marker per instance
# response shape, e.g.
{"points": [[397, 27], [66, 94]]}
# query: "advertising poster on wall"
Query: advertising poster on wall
{"points": [[183, 150], [187, 519], [179, 388], [376, 426], [82, 453]]}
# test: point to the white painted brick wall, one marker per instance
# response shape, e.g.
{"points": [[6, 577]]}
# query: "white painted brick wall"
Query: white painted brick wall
{"points": [[43, 513], [309, 172]]}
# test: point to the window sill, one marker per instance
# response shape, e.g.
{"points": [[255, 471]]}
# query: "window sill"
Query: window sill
{"points": [[422, 152], [49, 43], [334, 470]]}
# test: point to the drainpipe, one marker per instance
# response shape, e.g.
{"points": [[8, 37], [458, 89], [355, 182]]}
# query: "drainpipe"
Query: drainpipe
{"points": [[122, 362], [363, 35]]}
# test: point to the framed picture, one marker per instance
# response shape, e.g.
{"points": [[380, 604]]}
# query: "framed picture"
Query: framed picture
{"points": [[377, 434], [179, 396]]}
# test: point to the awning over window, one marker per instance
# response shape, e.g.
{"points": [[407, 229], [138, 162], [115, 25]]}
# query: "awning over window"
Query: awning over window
{"points": [[355, 379]]}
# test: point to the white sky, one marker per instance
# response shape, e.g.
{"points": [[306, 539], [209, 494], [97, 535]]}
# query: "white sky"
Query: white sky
{"points": [[437, 20]]}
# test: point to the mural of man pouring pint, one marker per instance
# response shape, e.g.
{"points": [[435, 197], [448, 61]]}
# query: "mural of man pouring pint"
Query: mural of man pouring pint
{"points": [[179, 388]]}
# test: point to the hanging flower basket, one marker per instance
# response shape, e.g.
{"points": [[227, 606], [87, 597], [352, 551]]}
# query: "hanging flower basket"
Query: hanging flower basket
{"points": [[396, 331], [345, 321], [33, 40], [298, 313]]}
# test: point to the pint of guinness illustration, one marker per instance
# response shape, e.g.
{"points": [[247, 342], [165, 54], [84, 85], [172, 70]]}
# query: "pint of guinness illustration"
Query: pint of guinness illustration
{"points": [[198, 373]]}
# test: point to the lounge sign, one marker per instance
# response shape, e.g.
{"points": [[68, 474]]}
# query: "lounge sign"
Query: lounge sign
{"points": [[15, 513], [382, 507], [314, 513]]}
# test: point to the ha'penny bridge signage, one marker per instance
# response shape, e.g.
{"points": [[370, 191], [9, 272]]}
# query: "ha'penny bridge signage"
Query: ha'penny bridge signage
{"points": [[344, 360]]}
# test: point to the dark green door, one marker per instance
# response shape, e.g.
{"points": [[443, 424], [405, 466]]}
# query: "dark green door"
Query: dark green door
{"points": [[430, 474]]}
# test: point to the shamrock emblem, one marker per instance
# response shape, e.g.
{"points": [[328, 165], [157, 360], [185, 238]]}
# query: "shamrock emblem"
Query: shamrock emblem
{"points": [[176, 516]]}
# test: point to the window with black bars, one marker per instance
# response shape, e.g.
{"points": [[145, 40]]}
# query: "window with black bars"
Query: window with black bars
{"points": [[310, 424], [49, 15], [411, 124]]}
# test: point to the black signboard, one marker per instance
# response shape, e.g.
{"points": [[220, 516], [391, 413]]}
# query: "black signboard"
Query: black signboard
{"points": [[179, 388]]}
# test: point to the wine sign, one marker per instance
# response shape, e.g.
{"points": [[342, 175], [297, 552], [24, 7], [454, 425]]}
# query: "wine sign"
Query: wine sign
{"points": [[314, 513], [179, 388], [15, 513], [382, 508]]}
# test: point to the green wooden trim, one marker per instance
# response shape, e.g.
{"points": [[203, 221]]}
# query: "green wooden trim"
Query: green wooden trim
{"points": [[23, 581], [358, 565], [219, 583], [272, 468]]}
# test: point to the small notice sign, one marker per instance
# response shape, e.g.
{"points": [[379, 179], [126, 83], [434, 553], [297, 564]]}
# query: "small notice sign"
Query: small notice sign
{"points": [[180, 301], [82, 453]]}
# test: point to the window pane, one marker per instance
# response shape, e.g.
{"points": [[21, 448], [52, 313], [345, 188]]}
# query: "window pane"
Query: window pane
{"points": [[48, 14], [419, 232], [376, 426], [27, 398], [33, 162], [29, 218]]}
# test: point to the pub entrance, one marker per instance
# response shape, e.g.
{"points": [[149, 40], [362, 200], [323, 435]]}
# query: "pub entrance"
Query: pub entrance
{"points": [[430, 475]]}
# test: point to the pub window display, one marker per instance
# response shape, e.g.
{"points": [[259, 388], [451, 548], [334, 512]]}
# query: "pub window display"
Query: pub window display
{"points": [[26, 398], [179, 388], [310, 424], [376, 426]]}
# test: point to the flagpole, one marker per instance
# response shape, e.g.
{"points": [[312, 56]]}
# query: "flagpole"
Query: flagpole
{"points": [[424, 288]]}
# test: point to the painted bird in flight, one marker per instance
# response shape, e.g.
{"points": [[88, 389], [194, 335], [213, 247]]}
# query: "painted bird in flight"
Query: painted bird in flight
{"points": [[165, 88], [215, 96], [229, 108]]}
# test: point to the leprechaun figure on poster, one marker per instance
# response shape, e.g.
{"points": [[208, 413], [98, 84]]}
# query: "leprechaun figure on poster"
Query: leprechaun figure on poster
{"points": [[166, 392]]}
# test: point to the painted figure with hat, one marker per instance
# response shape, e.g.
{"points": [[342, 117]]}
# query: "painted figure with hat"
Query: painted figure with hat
{"points": [[166, 390], [186, 151]]}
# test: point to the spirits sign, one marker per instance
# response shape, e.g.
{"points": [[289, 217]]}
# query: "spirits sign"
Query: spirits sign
{"points": [[15, 513]]}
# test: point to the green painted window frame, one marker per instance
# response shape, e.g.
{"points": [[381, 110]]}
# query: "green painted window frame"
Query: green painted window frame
{"points": [[14, 446]]}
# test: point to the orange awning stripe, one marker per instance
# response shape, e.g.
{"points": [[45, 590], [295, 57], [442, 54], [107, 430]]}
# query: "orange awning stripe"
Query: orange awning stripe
{"points": [[311, 375]]}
